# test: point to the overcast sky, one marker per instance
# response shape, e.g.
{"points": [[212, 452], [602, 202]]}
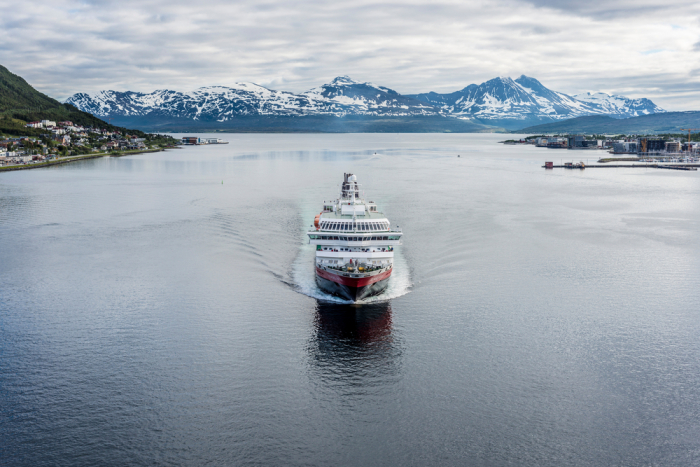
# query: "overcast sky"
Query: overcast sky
{"points": [[635, 48]]}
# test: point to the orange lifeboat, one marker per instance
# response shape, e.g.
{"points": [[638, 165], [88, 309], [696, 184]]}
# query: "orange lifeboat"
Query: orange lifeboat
{"points": [[317, 221]]}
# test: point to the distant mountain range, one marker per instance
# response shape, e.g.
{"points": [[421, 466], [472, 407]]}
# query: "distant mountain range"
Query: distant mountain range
{"points": [[348, 105]]}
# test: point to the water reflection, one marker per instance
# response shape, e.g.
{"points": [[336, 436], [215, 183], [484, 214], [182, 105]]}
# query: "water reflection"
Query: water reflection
{"points": [[354, 344]]}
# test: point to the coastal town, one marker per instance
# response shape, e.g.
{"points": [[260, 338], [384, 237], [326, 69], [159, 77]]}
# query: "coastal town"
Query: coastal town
{"points": [[66, 140], [657, 148]]}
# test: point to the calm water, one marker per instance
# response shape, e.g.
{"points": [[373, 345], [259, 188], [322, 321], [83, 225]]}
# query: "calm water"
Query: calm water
{"points": [[152, 315]]}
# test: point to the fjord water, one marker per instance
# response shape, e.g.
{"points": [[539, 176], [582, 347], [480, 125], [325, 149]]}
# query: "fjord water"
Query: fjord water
{"points": [[160, 309]]}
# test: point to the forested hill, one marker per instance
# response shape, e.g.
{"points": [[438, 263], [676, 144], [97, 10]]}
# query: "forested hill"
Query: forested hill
{"points": [[20, 103], [668, 122]]}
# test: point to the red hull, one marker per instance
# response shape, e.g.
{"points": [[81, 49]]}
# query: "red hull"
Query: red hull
{"points": [[352, 288]]}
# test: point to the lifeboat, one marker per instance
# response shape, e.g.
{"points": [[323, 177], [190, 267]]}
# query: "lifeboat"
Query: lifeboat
{"points": [[317, 221]]}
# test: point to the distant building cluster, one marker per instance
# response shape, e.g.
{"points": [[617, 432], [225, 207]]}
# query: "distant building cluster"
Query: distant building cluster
{"points": [[191, 140], [644, 146], [63, 137]]}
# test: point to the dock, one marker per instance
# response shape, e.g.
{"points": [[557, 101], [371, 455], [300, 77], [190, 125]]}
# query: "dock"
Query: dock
{"points": [[625, 166]]}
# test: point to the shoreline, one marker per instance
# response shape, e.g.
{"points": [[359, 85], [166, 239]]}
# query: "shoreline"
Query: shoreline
{"points": [[67, 160]]}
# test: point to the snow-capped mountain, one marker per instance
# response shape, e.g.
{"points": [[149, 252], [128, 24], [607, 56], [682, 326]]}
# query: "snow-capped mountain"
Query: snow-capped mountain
{"points": [[509, 102], [620, 105], [216, 103], [351, 97], [342, 96], [501, 102]]}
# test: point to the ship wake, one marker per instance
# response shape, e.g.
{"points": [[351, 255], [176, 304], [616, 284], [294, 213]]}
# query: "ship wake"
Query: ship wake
{"points": [[303, 279]]}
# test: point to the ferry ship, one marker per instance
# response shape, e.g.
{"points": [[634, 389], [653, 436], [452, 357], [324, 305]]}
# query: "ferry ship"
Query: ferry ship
{"points": [[354, 245]]}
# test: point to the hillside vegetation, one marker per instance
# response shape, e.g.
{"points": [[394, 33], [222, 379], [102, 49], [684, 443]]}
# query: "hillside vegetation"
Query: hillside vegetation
{"points": [[20, 103], [668, 122]]}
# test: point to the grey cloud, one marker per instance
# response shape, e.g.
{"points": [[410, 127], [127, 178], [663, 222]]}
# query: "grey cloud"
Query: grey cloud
{"points": [[85, 46], [612, 9]]}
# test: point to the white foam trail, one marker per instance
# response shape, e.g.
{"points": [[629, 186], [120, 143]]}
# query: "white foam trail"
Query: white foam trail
{"points": [[304, 278]]}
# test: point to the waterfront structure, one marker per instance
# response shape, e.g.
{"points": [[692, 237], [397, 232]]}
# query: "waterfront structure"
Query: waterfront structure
{"points": [[576, 141], [651, 145], [673, 146], [625, 147], [354, 245], [196, 140]]}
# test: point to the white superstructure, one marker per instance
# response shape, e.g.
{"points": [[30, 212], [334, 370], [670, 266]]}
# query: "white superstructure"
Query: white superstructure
{"points": [[351, 232]]}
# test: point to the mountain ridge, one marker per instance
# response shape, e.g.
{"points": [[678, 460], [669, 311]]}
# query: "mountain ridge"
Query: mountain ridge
{"points": [[499, 102]]}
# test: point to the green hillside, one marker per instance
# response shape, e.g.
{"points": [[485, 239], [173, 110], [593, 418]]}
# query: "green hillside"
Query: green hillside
{"points": [[668, 122], [20, 103]]}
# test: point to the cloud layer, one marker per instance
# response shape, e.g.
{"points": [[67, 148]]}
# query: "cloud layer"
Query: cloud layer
{"points": [[638, 49]]}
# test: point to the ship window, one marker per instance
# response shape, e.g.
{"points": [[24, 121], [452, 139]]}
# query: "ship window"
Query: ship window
{"points": [[374, 238]]}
